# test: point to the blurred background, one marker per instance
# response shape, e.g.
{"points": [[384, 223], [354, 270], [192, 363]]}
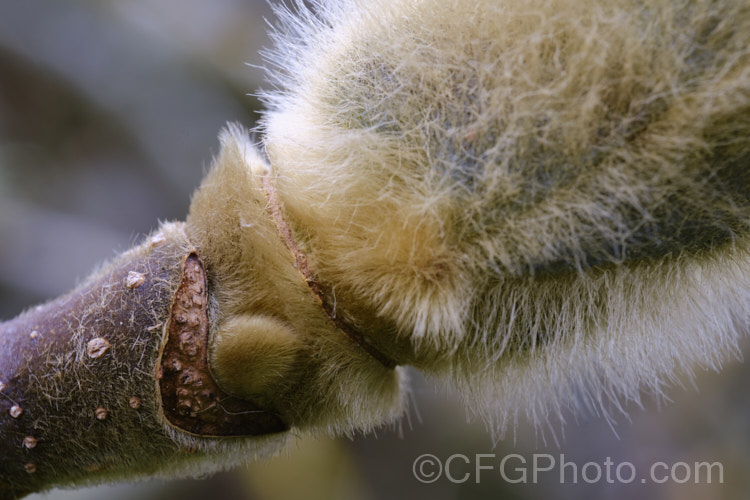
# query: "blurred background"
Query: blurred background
{"points": [[109, 112]]}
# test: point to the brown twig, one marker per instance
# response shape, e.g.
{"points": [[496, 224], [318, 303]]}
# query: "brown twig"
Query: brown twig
{"points": [[79, 397]]}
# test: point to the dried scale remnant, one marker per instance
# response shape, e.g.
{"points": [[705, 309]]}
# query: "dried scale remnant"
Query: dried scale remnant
{"points": [[34, 334], [15, 411], [135, 279], [98, 347], [135, 402], [2, 386], [191, 398], [30, 468], [316, 289], [101, 413], [30, 442]]}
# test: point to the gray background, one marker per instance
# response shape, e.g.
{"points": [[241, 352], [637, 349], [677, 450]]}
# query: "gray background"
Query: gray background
{"points": [[109, 113]]}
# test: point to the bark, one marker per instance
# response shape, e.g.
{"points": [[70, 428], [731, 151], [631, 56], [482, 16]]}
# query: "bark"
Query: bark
{"points": [[95, 384]]}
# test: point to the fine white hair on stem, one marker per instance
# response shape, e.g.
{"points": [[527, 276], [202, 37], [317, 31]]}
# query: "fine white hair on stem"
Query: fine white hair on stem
{"points": [[551, 199]]}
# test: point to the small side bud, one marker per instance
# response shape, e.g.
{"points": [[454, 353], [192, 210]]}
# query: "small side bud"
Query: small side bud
{"points": [[253, 355]]}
